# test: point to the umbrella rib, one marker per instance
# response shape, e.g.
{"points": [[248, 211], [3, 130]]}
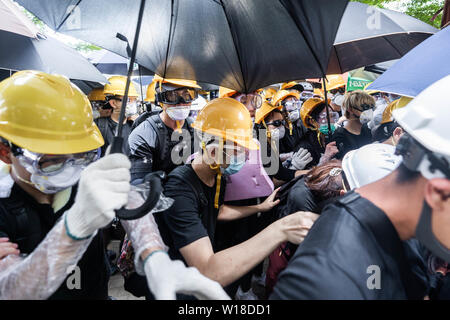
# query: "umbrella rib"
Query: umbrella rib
{"points": [[304, 37], [390, 43], [168, 41], [235, 46], [68, 15]]}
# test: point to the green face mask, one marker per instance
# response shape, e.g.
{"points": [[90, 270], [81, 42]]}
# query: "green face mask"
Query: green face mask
{"points": [[324, 128]]}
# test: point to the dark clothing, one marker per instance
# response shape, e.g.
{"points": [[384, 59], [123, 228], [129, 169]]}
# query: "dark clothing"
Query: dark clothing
{"points": [[300, 198], [289, 142], [311, 143], [108, 127], [151, 147], [346, 141], [186, 221], [350, 249], [26, 222]]}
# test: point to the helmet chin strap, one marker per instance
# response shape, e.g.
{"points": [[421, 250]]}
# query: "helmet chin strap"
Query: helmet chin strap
{"points": [[216, 168]]}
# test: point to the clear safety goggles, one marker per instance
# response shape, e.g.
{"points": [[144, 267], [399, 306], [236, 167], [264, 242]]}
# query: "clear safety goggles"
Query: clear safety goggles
{"points": [[178, 96], [305, 95], [292, 105], [52, 164], [323, 119], [364, 107], [232, 151], [251, 99]]}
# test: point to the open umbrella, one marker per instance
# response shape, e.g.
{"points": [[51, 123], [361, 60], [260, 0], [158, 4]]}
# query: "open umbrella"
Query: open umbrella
{"points": [[368, 35], [108, 62], [422, 66]]}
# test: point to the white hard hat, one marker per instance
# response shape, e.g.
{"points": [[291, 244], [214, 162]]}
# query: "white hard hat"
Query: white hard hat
{"points": [[425, 119], [369, 164]]}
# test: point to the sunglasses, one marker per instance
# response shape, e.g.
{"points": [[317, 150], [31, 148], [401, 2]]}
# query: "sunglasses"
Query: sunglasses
{"points": [[340, 90], [276, 123]]}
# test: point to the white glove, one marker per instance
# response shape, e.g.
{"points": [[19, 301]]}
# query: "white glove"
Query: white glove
{"points": [[103, 188], [300, 159], [166, 277], [286, 156]]}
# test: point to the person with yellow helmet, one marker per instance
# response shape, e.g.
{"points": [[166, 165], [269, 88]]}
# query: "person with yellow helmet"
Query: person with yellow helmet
{"points": [[59, 197], [189, 226], [156, 139], [355, 133], [336, 87], [114, 92], [97, 99], [252, 100]]}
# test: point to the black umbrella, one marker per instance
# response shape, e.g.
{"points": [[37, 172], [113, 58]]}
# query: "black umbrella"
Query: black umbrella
{"points": [[108, 62], [368, 35], [239, 44]]}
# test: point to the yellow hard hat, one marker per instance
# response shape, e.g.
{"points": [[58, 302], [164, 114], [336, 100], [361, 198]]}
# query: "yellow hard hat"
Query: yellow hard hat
{"points": [[176, 82], [265, 109], [283, 94], [335, 81], [371, 92], [225, 92], [97, 95], [116, 87], [394, 105], [288, 85], [151, 92], [308, 108], [269, 93], [228, 119], [46, 114], [318, 92]]}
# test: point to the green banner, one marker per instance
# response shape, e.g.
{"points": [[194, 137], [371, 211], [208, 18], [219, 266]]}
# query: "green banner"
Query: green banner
{"points": [[356, 84]]}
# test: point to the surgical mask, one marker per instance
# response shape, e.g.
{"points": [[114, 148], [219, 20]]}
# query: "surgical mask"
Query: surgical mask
{"points": [[294, 115], [366, 116], [178, 113], [338, 99], [278, 133], [324, 128], [234, 167], [424, 233], [131, 109]]}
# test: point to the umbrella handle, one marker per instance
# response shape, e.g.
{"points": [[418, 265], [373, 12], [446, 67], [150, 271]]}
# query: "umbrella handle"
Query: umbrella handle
{"points": [[154, 184]]}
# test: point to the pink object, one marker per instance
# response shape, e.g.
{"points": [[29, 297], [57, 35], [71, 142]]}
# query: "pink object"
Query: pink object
{"points": [[250, 182]]}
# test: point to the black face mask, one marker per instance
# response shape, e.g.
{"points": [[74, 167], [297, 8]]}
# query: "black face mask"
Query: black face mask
{"points": [[424, 233]]}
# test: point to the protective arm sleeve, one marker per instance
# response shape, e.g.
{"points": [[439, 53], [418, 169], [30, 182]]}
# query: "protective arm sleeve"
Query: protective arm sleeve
{"points": [[143, 232], [41, 273]]}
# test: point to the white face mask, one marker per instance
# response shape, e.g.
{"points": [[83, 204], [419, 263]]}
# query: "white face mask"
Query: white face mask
{"points": [[294, 115], [278, 133], [131, 109], [366, 116], [338, 99], [178, 113], [54, 184]]}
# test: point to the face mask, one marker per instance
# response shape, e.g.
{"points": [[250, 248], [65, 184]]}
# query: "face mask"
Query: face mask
{"points": [[278, 133], [338, 99], [294, 115], [131, 109], [424, 233], [178, 113], [234, 167], [56, 183], [95, 114], [366, 116], [324, 128]]}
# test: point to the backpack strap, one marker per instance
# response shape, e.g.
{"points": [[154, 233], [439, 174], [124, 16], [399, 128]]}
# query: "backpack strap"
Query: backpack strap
{"points": [[186, 174], [162, 134]]}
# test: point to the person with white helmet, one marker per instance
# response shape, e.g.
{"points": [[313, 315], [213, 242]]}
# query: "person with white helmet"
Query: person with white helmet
{"points": [[356, 248]]}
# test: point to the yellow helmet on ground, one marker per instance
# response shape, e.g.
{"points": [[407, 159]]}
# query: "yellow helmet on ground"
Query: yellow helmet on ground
{"points": [[116, 87], [283, 94], [264, 111], [46, 113], [335, 81], [394, 105], [308, 108], [97, 95], [228, 119]]}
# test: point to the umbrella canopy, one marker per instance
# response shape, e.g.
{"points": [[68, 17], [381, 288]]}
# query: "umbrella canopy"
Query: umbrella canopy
{"points": [[368, 35], [45, 54], [239, 44], [13, 20], [110, 63], [422, 66]]}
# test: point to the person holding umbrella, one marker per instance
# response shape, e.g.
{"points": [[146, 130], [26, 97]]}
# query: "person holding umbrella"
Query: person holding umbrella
{"points": [[61, 196]]}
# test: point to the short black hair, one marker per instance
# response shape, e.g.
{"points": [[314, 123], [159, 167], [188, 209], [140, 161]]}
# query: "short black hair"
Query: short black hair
{"points": [[405, 175], [385, 131]]}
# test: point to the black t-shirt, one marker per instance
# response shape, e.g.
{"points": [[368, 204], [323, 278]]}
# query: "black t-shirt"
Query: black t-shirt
{"points": [[310, 142], [341, 255], [290, 142], [27, 222], [300, 198], [346, 141], [186, 222], [108, 129]]}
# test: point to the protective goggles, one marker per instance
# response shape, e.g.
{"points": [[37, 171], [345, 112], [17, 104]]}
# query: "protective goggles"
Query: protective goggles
{"points": [[276, 123], [364, 107], [252, 99], [178, 96], [291, 105], [52, 164], [305, 95], [341, 90]]}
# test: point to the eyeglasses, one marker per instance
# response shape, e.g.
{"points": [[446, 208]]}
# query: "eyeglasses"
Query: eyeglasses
{"points": [[251, 99], [52, 164], [178, 96], [276, 123]]}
